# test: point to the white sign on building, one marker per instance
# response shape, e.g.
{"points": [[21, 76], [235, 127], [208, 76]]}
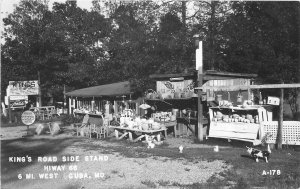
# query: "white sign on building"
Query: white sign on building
{"points": [[20, 88]]}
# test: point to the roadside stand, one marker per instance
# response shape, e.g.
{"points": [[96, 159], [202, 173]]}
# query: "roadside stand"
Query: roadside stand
{"points": [[252, 119], [104, 105], [176, 95]]}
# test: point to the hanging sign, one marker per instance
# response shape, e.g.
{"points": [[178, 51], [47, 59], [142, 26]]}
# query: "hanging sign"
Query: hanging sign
{"points": [[273, 100], [178, 86], [226, 82], [17, 88]]}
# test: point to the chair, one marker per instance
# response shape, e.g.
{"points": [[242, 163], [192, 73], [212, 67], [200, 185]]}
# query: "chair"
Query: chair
{"points": [[100, 130], [41, 114], [84, 125], [47, 114]]}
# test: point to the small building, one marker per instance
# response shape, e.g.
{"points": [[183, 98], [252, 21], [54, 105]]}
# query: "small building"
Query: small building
{"points": [[94, 99]]}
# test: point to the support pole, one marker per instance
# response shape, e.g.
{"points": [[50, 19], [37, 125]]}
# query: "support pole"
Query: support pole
{"points": [[93, 104], [40, 91], [64, 100], [115, 107], [9, 109], [70, 105], [199, 66], [280, 120]]}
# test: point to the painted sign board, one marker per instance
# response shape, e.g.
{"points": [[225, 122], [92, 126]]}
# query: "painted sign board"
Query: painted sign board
{"points": [[227, 82], [174, 86], [16, 101], [17, 88], [212, 93], [28, 117]]}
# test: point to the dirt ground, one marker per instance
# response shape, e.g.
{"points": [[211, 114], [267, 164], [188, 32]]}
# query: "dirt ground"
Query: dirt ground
{"points": [[114, 169], [104, 163]]}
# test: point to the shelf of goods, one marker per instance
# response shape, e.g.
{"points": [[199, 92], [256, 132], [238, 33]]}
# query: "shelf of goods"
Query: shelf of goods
{"points": [[239, 123], [160, 120]]}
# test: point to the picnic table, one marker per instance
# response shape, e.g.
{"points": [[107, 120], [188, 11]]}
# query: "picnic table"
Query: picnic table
{"points": [[124, 131]]}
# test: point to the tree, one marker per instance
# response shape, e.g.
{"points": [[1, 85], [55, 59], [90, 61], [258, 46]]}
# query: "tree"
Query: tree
{"points": [[62, 44], [208, 21], [26, 35], [263, 38], [130, 45], [83, 33]]}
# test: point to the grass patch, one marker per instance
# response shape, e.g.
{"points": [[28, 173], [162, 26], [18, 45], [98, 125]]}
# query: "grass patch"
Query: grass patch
{"points": [[163, 183], [114, 172], [149, 183], [245, 172]]}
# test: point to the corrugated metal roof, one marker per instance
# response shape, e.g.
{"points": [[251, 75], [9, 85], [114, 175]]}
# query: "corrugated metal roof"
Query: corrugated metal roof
{"points": [[114, 89]]}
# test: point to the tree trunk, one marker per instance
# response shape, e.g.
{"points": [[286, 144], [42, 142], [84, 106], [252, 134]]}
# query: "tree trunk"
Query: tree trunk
{"points": [[183, 10], [40, 91], [211, 34]]}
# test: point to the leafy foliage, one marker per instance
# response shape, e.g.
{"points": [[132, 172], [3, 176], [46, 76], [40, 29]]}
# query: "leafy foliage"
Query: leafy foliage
{"points": [[129, 41]]}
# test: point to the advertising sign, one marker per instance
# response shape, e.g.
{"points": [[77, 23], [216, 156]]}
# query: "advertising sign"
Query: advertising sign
{"points": [[273, 100], [28, 117], [17, 88], [17, 101], [179, 86]]}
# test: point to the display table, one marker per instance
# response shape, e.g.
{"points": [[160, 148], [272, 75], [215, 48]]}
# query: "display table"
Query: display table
{"points": [[144, 133], [90, 114], [169, 124], [233, 124]]}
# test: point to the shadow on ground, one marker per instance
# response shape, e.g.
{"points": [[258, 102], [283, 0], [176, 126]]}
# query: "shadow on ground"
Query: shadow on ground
{"points": [[30, 147]]}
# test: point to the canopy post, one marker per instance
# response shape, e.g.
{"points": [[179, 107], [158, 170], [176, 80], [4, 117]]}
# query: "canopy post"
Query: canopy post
{"points": [[70, 105], [93, 103], [115, 107], [9, 110]]}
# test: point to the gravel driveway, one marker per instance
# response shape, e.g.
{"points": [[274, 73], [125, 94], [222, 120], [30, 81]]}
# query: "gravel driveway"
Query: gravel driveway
{"points": [[102, 161]]}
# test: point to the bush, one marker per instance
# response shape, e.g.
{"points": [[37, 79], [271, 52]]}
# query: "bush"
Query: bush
{"points": [[4, 119]]}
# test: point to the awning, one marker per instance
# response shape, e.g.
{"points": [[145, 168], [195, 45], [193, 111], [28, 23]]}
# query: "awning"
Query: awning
{"points": [[114, 89]]}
